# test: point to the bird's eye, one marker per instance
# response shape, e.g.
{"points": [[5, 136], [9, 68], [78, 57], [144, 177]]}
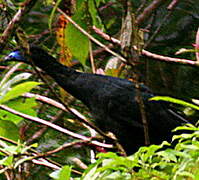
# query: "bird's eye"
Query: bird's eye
{"points": [[12, 55]]}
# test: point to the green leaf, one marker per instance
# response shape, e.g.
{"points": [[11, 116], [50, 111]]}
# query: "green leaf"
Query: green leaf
{"points": [[92, 174], [63, 174], [189, 127], [19, 90], [168, 155], [9, 130], [107, 155], [94, 14], [75, 40], [79, 4], [186, 174], [7, 161], [173, 100], [25, 106]]}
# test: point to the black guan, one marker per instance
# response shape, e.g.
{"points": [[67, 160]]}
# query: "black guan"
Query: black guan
{"points": [[110, 100]]}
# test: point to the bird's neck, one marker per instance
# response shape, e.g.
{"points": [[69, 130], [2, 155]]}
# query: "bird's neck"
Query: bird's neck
{"points": [[66, 77], [63, 75], [53, 68]]}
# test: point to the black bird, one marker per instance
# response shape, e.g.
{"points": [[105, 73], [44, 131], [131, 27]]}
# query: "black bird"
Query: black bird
{"points": [[111, 101]]}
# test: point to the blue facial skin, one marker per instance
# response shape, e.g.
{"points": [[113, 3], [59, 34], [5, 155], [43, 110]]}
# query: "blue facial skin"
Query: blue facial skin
{"points": [[15, 55]]}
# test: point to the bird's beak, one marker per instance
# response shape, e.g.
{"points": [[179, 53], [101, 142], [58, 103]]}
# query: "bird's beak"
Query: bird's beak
{"points": [[7, 58]]}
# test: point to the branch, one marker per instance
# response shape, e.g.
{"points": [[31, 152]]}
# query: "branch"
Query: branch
{"points": [[47, 163], [148, 11], [17, 70], [158, 29], [62, 107], [25, 8], [53, 126], [106, 36], [41, 131], [9, 73], [197, 45], [64, 146], [91, 127], [79, 163], [173, 4], [44, 161], [169, 59], [147, 53], [91, 58], [170, 8]]}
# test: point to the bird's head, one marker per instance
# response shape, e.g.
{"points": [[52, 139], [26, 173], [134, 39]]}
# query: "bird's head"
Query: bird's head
{"points": [[36, 56], [16, 55]]}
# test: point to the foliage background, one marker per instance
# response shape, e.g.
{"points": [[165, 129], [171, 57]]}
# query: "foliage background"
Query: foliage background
{"points": [[165, 32]]}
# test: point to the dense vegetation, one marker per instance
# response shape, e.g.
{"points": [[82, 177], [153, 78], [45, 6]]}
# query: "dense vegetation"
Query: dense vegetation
{"points": [[134, 39]]}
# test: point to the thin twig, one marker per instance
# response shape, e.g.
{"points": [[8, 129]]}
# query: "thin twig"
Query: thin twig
{"points": [[44, 162], [49, 164], [25, 7], [46, 100], [106, 36], [197, 45], [41, 161], [60, 148], [152, 37], [58, 105], [9, 73], [41, 131], [56, 127], [169, 59], [148, 10], [140, 8], [79, 163], [173, 4], [91, 58], [143, 113], [101, 50], [170, 8], [17, 70], [150, 54]]}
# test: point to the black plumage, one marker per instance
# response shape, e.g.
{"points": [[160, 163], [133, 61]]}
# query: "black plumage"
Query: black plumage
{"points": [[111, 101]]}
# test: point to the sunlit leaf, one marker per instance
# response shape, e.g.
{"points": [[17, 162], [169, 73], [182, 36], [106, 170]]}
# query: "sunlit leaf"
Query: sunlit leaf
{"points": [[19, 90], [94, 14], [75, 40], [62, 174], [25, 106], [7, 161], [174, 100], [9, 130]]}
